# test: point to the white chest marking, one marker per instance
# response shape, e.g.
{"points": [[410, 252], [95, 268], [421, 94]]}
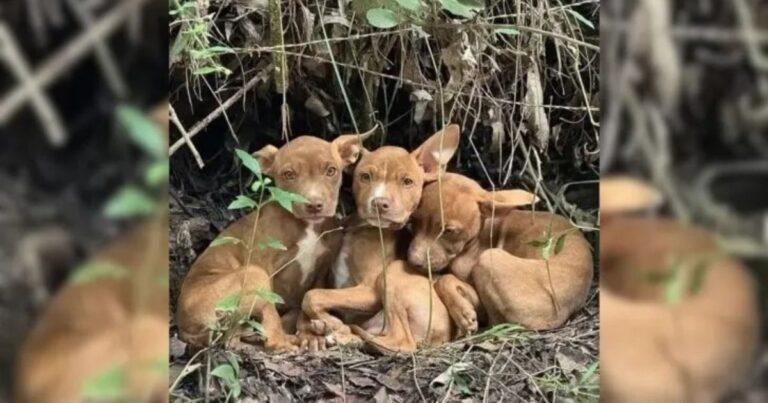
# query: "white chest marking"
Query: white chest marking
{"points": [[310, 249], [340, 268]]}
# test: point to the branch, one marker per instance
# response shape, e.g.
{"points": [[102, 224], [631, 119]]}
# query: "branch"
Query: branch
{"points": [[186, 137]]}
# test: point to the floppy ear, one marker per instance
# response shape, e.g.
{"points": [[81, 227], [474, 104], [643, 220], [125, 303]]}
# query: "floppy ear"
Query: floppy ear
{"points": [[502, 201], [266, 157], [349, 147], [432, 157], [624, 194]]}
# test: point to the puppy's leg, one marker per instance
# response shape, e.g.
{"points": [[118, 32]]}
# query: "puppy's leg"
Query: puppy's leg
{"points": [[396, 336], [462, 302], [317, 304], [308, 338], [255, 279], [514, 289]]}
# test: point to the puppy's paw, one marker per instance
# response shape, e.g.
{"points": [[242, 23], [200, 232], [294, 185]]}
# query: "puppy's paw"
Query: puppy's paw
{"points": [[318, 327], [282, 344], [466, 319], [344, 337], [309, 341]]}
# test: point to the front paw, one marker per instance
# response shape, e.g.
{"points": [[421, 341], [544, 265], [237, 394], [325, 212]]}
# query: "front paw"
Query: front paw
{"points": [[344, 337], [281, 344], [309, 341], [466, 319]]}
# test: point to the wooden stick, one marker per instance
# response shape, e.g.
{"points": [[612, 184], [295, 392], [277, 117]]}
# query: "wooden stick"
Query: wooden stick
{"points": [[186, 137], [46, 113], [65, 58], [199, 126]]}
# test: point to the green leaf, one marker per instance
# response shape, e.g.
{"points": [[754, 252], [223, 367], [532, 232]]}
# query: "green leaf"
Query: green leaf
{"points": [[560, 243], [674, 287], [257, 184], [546, 250], [129, 201], [382, 18], [225, 372], [269, 296], [273, 244], [588, 375], [457, 8], [157, 173], [242, 202], [506, 31], [698, 275], [141, 130], [230, 303], [580, 18], [412, 5], [255, 326], [285, 199], [97, 270], [225, 240], [234, 361], [108, 385], [462, 384], [249, 162]]}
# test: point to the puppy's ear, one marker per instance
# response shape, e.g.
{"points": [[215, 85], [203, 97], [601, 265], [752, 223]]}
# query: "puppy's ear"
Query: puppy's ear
{"points": [[266, 157], [624, 194], [349, 147], [502, 201], [437, 151]]}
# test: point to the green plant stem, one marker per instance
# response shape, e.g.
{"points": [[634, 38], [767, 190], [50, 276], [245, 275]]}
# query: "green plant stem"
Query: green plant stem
{"points": [[552, 288]]}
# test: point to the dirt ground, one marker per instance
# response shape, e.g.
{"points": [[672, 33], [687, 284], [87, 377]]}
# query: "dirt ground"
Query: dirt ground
{"points": [[500, 364]]}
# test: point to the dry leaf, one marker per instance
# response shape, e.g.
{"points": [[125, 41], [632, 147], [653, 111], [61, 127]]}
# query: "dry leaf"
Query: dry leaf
{"points": [[534, 113]]}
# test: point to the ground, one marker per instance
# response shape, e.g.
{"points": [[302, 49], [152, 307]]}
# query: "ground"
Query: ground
{"points": [[505, 363]]}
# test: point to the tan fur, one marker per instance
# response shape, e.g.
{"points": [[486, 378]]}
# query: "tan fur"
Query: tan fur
{"points": [[387, 186], [93, 327], [494, 272], [310, 167], [652, 350]]}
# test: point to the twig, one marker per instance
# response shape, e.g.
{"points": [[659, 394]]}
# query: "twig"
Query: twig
{"points": [[416, 381], [65, 58], [199, 126], [186, 137], [103, 54], [49, 118]]}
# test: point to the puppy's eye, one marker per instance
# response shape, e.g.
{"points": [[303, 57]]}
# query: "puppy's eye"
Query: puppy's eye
{"points": [[407, 182], [365, 177], [289, 175], [331, 171]]}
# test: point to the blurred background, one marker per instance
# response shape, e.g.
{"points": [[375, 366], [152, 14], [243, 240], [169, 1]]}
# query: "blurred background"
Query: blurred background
{"points": [[685, 103], [67, 69]]}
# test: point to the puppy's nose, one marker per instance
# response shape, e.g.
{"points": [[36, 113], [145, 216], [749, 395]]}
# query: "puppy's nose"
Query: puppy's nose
{"points": [[315, 206], [381, 203], [414, 258]]}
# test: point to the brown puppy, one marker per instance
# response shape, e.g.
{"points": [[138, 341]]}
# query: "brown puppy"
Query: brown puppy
{"points": [[694, 350], [387, 186], [105, 324], [494, 269], [310, 167]]}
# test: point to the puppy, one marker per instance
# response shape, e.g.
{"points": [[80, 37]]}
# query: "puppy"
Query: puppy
{"points": [[495, 256], [652, 349], [312, 168], [387, 186]]}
